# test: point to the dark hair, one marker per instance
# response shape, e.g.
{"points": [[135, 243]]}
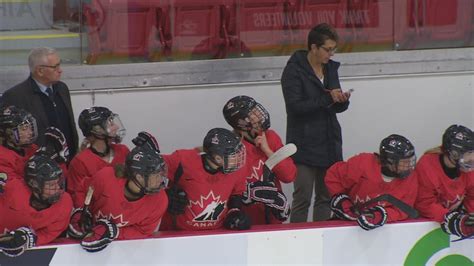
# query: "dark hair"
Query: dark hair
{"points": [[320, 33]]}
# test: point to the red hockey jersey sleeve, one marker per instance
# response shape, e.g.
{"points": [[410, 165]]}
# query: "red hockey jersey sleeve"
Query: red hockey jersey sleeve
{"points": [[406, 191], [469, 199], [338, 180], [427, 201], [58, 222], [285, 171]]}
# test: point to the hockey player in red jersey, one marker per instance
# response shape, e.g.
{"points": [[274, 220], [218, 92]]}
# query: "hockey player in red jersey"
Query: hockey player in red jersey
{"points": [[368, 175], [128, 207], [34, 211], [206, 188], [18, 131], [446, 182], [103, 131], [251, 121]]}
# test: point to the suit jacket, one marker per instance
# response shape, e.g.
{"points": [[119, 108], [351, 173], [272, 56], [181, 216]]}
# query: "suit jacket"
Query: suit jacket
{"points": [[27, 95]]}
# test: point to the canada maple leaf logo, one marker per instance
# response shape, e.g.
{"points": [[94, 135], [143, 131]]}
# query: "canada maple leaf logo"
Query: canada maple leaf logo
{"points": [[118, 220], [256, 170], [207, 208], [454, 203]]}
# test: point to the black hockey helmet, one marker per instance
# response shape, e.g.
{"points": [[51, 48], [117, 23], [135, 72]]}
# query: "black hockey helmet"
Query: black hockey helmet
{"points": [[101, 123], [45, 178], [17, 126], [146, 162], [458, 145], [226, 144], [244, 113], [393, 149]]}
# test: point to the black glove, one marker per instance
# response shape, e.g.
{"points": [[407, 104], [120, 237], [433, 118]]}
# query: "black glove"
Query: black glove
{"points": [[102, 234], [342, 206], [460, 224], [80, 223], [177, 200], [372, 218], [55, 145], [3, 181], [14, 243], [146, 139], [237, 220]]}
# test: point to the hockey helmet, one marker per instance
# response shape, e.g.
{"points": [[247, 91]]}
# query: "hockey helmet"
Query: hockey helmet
{"points": [[246, 114], [17, 126], [227, 145], [458, 145], [397, 156], [45, 178], [101, 123]]}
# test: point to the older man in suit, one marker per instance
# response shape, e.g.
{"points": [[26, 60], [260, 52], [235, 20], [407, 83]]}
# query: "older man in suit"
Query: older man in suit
{"points": [[45, 96]]}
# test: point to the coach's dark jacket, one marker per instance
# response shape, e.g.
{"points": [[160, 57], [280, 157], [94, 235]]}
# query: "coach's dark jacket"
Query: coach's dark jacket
{"points": [[27, 95], [311, 113]]}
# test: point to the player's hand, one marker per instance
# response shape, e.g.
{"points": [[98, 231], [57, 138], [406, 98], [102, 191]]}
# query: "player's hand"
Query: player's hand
{"points": [[342, 206], [338, 96], [102, 234], [457, 223], [80, 223], [237, 220], [3, 181], [55, 145], [177, 200], [372, 218], [261, 142], [146, 139], [14, 243]]}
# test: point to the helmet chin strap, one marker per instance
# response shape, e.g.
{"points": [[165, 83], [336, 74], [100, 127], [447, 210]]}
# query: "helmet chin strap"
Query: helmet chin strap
{"points": [[107, 146], [39, 203]]}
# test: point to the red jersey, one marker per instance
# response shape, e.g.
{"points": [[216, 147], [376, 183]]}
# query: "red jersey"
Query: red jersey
{"points": [[15, 211], [437, 193], [207, 193], [285, 172], [361, 178], [12, 163], [136, 219], [85, 165]]}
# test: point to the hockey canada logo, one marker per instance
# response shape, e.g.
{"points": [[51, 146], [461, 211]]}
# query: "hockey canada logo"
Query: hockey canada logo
{"points": [[207, 210]]}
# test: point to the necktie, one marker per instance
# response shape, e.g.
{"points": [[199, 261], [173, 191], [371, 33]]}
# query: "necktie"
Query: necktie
{"points": [[49, 91]]}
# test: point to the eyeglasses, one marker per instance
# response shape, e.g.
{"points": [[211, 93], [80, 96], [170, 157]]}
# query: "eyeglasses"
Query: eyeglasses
{"points": [[329, 50], [55, 67]]}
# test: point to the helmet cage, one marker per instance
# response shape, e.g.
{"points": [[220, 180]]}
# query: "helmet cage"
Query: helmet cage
{"points": [[25, 133], [234, 159], [458, 144], [45, 179], [244, 113]]}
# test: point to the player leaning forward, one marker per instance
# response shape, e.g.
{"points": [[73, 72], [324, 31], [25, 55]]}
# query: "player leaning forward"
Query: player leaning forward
{"points": [[34, 211], [206, 187], [126, 203], [251, 121], [369, 175], [446, 182]]}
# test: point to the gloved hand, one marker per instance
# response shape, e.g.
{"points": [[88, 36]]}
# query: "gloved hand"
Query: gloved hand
{"points": [[372, 218], [146, 139], [177, 200], [342, 206], [237, 220], [55, 145], [14, 243], [460, 224], [102, 234], [80, 223]]}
